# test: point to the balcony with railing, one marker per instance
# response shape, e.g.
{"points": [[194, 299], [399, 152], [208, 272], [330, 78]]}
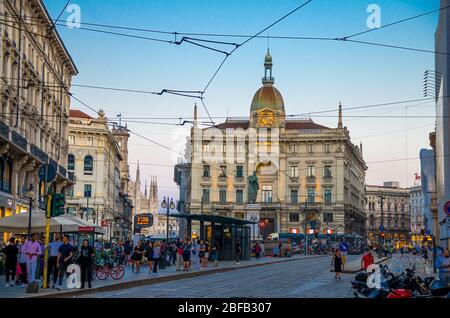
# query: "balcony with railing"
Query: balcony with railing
{"points": [[38, 153], [19, 141], [4, 130]]}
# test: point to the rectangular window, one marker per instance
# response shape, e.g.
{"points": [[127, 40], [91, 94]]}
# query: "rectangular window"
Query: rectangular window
{"points": [[205, 195], [206, 148], [223, 172], [311, 171], [311, 196], [206, 171], [223, 196], [294, 171], [239, 171], [327, 171], [294, 196], [87, 190], [328, 217], [293, 148], [310, 148], [70, 192], [267, 194], [294, 217], [327, 148], [327, 193], [71, 140], [90, 141], [239, 196]]}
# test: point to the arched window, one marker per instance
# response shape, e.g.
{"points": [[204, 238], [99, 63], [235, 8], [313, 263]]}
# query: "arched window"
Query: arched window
{"points": [[71, 162], [88, 165]]}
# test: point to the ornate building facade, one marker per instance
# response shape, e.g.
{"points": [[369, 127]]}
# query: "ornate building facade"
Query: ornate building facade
{"points": [[388, 208], [95, 158], [36, 72], [309, 176]]}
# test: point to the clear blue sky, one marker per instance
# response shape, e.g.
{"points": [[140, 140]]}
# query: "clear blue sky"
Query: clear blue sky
{"points": [[311, 75]]}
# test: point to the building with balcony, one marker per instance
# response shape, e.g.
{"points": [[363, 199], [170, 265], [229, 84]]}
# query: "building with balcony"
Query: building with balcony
{"points": [[36, 73], [95, 158], [442, 134], [417, 202], [388, 209], [309, 176]]}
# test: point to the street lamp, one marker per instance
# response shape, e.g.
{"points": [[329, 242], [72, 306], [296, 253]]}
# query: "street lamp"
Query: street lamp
{"points": [[254, 218], [166, 205], [30, 194]]}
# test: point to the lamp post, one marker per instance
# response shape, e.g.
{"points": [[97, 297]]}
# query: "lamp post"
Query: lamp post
{"points": [[254, 218], [30, 194], [166, 205]]}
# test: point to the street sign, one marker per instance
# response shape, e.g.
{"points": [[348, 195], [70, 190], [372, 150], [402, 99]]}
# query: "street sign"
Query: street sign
{"points": [[381, 228], [447, 208], [143, 220], [427, 232], [51, 173], [86, 229]]}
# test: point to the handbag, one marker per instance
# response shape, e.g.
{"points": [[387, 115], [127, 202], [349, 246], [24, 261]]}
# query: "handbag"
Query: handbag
{"points": [[18, 269]]}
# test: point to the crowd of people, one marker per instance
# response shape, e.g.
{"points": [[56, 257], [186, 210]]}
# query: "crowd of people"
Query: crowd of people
{"points": [[24, 260], [185, 254]]}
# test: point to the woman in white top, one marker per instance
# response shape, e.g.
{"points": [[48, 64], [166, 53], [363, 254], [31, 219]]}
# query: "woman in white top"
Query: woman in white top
{"points": [[156, 256]]}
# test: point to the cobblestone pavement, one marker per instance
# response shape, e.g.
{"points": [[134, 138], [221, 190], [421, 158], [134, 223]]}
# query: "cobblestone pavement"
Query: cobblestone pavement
{"points": [[303, 278]]}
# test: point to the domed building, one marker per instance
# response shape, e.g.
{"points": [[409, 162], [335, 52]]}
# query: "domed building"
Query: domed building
{"points": [[288, 175]]}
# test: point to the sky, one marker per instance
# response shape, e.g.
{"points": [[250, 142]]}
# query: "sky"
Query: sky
{"points": [[311, 75]]}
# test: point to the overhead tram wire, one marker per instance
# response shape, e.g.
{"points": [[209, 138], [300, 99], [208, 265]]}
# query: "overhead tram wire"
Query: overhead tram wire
{"points": [[395, 22]]}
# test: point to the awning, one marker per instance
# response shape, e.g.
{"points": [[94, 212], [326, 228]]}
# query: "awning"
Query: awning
{"points": [[19, 223], [218, 219]]}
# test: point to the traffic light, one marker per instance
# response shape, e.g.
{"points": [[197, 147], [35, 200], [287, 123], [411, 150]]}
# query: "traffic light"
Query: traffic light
{"points": [[58, 203]]}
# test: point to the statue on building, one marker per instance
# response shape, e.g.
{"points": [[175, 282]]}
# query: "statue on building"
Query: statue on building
{"points": [[253, 187]]}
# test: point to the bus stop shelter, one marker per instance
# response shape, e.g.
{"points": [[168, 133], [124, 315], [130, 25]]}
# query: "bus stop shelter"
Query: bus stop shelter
{"points": [[221, 229]]}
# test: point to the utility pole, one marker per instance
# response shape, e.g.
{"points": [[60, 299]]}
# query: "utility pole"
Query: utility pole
{"points": [[380, 240], [306, 226]]}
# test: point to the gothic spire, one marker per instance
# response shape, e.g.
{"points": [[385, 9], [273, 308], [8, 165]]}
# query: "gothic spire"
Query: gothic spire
{"points": [[340, 116]]}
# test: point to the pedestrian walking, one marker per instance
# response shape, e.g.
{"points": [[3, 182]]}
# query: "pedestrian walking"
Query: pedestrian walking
{"points": [[32, 252], [425, 254], [186, 254], [202, 253], [85, 261], [23, 263], [138, 255], [262, 253], [443, 264], [156, 256], [52, 261], [257, 250], [401, 251], [237, 250], [207, 250], [337, 262], [215, 253], [149, 256], [65, 254], [367, 259], [127, 249], [179, 261], [11, 251], [195, 254]]}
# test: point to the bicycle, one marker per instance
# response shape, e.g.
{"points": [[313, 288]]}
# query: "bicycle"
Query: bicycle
{"points": [[109, 268]]}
